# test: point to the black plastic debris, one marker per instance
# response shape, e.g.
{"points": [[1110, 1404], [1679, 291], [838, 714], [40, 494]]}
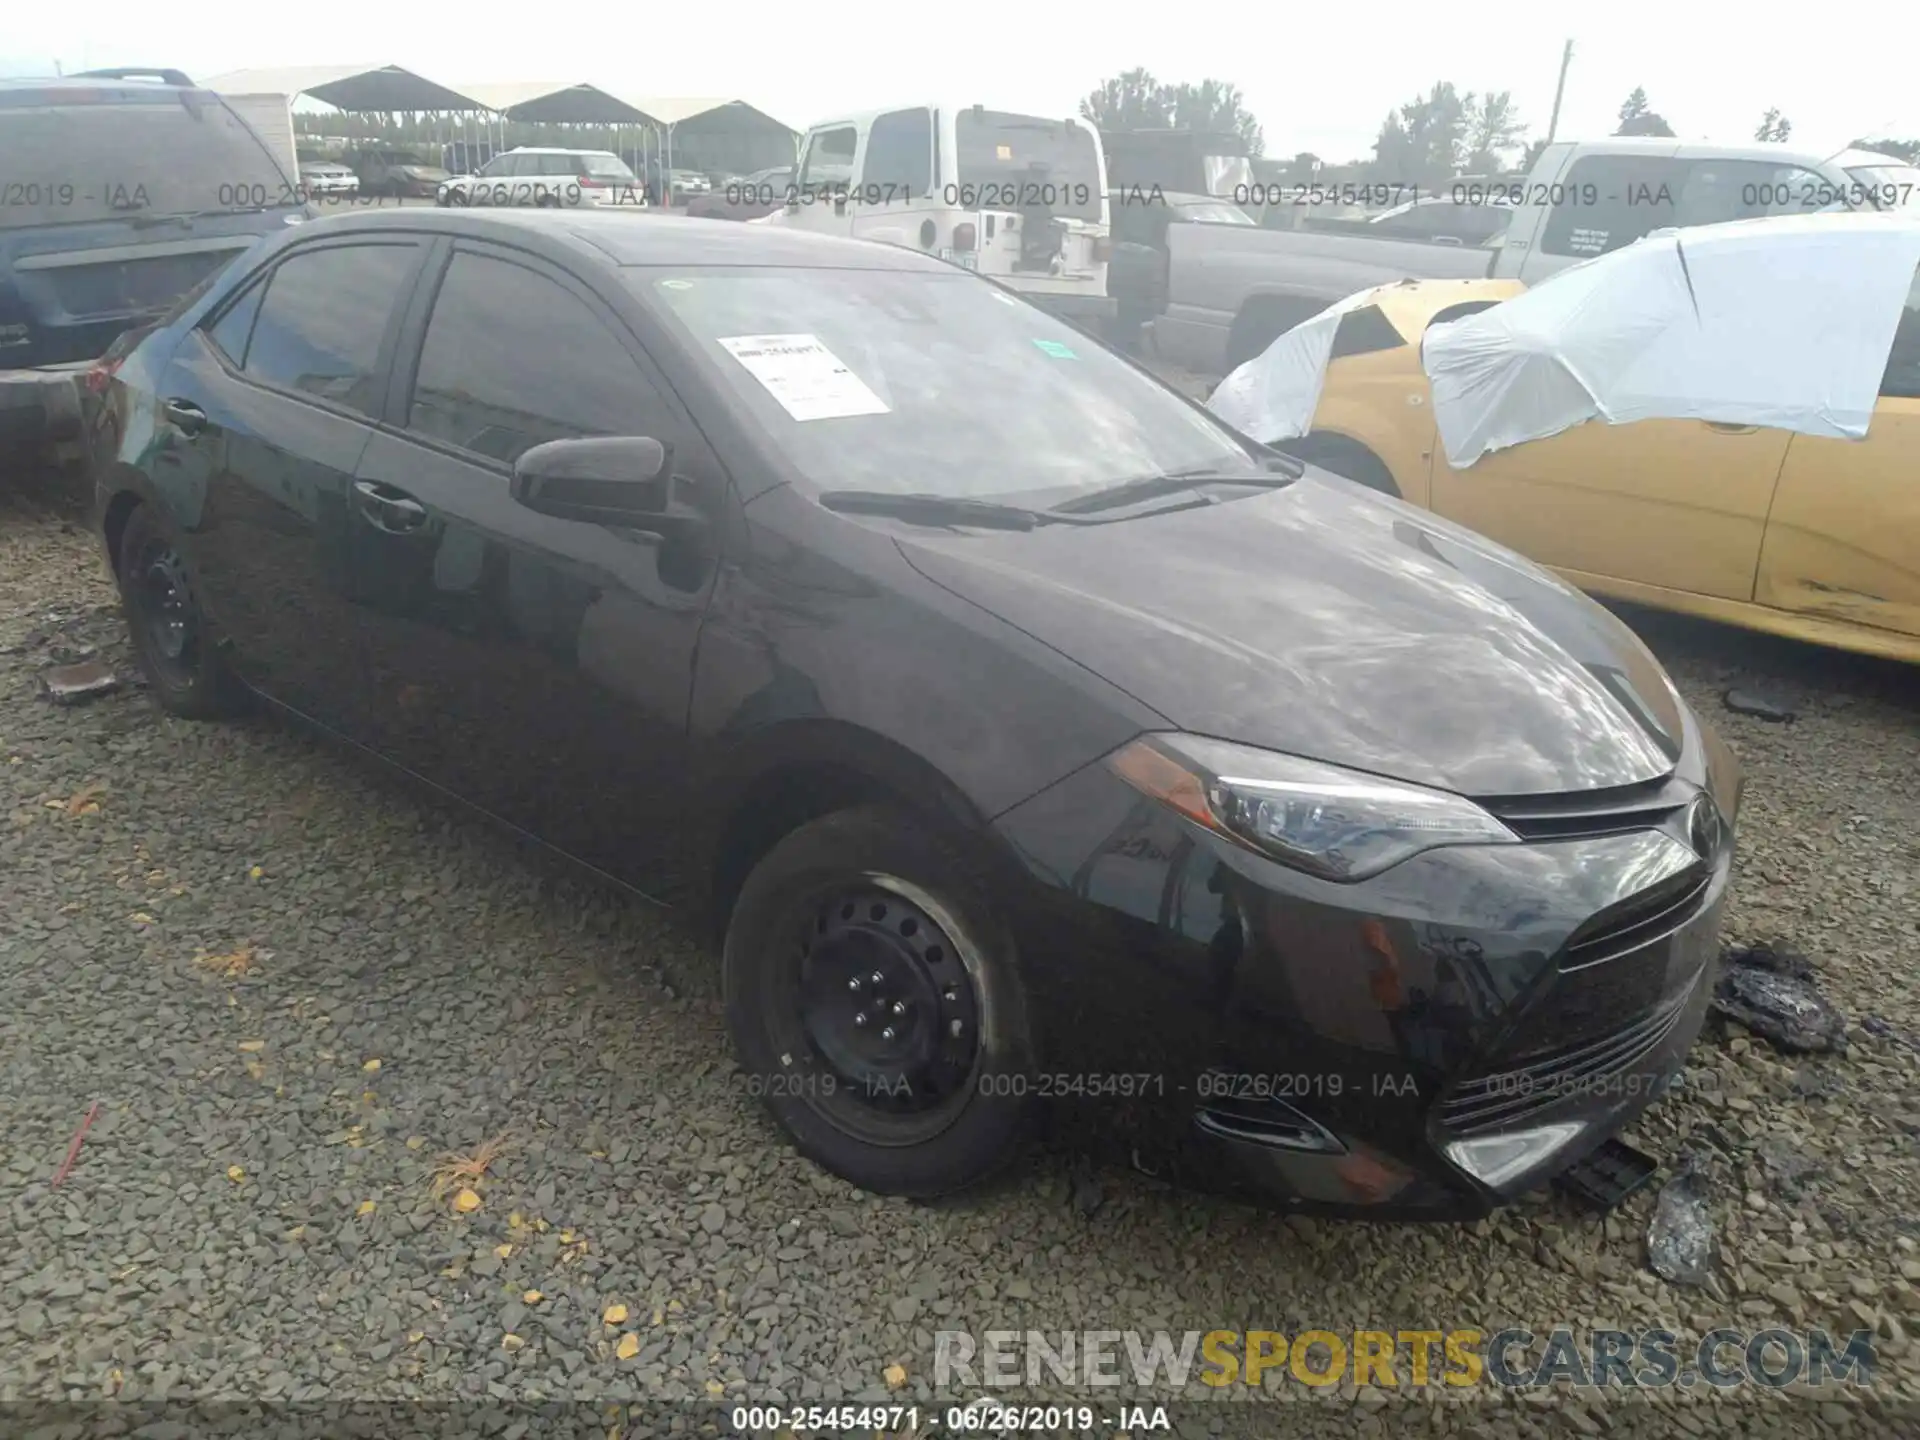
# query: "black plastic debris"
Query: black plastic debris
{"points": [[1607, 1176], [72, 684], [1680, 1238], [1769, 989], [1761, 707]]}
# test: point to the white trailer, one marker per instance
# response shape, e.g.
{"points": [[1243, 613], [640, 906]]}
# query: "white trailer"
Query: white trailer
{"points": [[271, 117]]}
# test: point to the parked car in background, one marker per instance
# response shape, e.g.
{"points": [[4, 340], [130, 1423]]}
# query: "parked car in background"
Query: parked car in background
{"points": [[1763, 468], [398, 172], [1022, 198], [1016, 718], [547, 178], [124, 189], [747, 198], [328, 180], [1230, 292]]}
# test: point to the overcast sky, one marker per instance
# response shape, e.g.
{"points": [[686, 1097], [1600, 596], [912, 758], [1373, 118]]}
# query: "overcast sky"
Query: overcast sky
{"points": [[1317, 81]]}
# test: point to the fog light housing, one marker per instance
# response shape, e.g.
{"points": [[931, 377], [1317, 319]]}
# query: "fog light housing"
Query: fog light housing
{"points": [[1496, 1159]]}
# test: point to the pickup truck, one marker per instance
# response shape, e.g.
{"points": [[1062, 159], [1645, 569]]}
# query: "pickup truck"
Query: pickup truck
{"points": [[1231, 290]]}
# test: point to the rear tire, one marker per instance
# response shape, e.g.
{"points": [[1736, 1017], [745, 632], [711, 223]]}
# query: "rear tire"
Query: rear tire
{"points": [[875, 1004], [171, 640]]}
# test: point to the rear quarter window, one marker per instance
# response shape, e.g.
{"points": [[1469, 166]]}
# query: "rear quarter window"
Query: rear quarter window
{"points": [[1363, 332]]}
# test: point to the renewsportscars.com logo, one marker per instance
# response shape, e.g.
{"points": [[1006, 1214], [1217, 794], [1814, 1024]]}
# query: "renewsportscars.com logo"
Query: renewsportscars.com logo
{"points": [[1458, 1358]]}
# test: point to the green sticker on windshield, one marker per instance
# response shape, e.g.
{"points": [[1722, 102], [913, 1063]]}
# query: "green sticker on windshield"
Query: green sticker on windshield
{"points": [[1056, 349]]}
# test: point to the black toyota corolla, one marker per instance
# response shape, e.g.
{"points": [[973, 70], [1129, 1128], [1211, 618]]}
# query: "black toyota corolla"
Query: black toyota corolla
{"points": [[1034, 736]]}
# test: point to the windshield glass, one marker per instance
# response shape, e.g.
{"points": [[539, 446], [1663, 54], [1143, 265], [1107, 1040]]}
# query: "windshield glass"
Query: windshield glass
{"points": [[131, 156], [935, 383], [1889, 187], [602, 166], [1013, 162]]}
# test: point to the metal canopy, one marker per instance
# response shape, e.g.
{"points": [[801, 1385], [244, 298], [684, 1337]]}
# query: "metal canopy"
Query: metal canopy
{"points": [[720, 116], [358, 88], [559, 103]]}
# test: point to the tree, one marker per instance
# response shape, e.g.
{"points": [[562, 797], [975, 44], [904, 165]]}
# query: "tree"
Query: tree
{"points": [[1424, 142], [1130, 101], [1774, 127], [1214, 105], [1637, 119], [1493, 128], [1907, 150]]}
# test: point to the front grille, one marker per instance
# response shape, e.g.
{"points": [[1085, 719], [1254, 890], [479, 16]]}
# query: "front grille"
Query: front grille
{"points": [[1603, 1065], [1639, 920], [1593, 813]]}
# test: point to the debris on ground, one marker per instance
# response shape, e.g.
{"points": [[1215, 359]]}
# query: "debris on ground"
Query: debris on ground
{"points": [[72, 684], [1769, 989], [1680, 1239], [1761, 707]]}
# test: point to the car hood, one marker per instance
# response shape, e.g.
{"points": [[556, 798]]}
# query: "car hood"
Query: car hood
{"points": [[1328, 622]]}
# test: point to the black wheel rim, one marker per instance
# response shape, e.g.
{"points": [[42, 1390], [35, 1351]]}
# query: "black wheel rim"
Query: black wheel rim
{"points": [[879, 998], [166, 617]]}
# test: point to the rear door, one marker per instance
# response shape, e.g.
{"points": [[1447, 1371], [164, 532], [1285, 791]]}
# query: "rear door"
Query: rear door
{"points": [[116, 201], [1843, 540], [539, 668], [269, 404]]}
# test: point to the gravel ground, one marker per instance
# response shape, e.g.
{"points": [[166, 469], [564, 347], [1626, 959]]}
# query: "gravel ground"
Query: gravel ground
{"points": [[295, 991]]}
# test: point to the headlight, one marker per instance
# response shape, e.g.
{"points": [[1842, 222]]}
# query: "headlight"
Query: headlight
{"points": [[1334, 823]]}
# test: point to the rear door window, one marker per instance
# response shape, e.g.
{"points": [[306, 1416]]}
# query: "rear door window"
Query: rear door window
{"points": [[230, 332], [1610, 201], [899, 163], [1017, 162], [324, 319], [131, 156]]}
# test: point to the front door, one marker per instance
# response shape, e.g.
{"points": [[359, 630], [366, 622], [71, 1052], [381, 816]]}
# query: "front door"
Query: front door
{"points": [[270, 404], [1843, 541], [822, 187], [539, 668], [1668, 504]]}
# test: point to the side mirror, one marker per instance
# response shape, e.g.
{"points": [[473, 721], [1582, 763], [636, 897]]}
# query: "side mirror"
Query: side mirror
{"points": [[621, 480]]}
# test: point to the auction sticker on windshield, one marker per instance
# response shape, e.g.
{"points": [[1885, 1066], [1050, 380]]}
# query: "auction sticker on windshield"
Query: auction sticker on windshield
{"points": [[804, 376]]}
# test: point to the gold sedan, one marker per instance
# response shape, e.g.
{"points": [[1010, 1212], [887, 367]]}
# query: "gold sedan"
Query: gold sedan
{"points": [[1803, 536]]}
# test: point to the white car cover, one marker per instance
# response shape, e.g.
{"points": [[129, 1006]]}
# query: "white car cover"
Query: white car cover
{"points": [[1273, 396], [1783, 322]]}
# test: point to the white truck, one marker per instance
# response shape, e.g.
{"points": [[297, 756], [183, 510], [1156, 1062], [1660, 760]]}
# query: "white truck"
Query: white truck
{"points": [[1231, 290], [1021, 198]]}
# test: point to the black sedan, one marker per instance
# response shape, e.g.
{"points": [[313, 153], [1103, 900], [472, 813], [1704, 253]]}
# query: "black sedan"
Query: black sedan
{"points": [[1032, 736]]}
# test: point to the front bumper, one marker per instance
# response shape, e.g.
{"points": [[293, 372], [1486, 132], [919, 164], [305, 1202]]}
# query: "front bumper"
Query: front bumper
{"points": [[1250, 1029], [40, 406]]}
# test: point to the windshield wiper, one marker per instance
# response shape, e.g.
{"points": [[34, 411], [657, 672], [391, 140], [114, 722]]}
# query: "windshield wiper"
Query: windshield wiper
{"points": [[936, 509], [1280, 473]]}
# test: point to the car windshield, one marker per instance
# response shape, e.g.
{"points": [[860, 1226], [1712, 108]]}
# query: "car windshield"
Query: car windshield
{"points": [[935, 383], [603, 166], [128, 156], [1889, 187]]}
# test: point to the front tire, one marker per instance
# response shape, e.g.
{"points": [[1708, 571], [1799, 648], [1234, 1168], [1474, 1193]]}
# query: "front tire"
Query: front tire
{"points": [[875, 1004], [171, 641]]}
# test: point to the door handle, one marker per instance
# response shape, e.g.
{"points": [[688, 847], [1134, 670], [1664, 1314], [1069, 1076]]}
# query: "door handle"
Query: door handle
{"points": [[187, 418], [1725, 429], [387, 508]]}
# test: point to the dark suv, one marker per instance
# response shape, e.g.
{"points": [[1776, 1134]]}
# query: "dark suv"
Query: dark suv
{"points": [[123, 190]]}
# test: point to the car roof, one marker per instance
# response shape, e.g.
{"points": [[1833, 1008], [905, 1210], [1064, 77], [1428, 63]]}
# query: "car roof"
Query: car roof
{"points": [[630, 239], [1748, 150], [94, 89], [557, 150]]}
